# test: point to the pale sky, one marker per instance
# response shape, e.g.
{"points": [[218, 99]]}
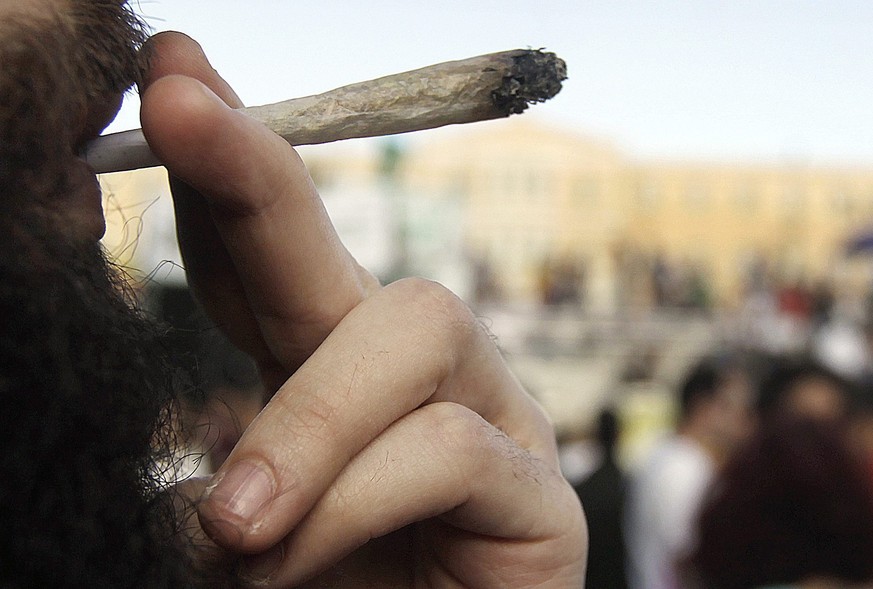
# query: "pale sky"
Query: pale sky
{"points": [[737, 79]]}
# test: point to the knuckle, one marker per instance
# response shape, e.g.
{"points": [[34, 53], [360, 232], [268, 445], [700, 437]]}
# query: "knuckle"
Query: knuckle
{"points": [[453, 426], [474, 446], [313, 416], [447, 318], [455, 429]]}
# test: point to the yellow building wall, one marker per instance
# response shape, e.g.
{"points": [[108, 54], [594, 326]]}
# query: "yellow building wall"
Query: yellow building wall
{"points": [[530, 193], [535, 192]]}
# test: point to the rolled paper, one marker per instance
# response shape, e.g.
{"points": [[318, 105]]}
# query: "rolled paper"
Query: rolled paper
{"points": [[476, 89]]}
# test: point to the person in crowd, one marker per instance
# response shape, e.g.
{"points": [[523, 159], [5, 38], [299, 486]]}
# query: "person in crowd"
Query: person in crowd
{"points": [[793, 508], [803, 387], [665, 493], [603, 494], [860, 426], [396, 448]]}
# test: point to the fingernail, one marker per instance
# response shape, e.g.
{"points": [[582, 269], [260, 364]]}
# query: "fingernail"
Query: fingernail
{"points": [[261, 567], [243, 491]]}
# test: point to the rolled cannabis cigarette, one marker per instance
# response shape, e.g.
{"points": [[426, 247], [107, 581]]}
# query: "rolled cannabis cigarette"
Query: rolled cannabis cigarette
{"points": [[476, 89]]}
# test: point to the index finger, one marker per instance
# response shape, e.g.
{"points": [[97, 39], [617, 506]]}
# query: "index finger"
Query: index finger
{"points": [[298, 279]]}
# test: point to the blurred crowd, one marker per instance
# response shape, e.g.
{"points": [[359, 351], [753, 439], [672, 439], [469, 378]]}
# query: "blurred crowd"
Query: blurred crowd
{"points": [[766, 480]]}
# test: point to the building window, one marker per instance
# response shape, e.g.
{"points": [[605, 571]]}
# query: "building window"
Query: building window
{"points": [[460, 183], [842, 202], [747, 199], [647, 195], [586, 191], [793, 201], [539, 184], [697, 197]]}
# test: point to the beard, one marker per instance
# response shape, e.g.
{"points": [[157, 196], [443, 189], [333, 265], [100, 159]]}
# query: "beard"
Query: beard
{"points": [[87, 396], [86, 381]]}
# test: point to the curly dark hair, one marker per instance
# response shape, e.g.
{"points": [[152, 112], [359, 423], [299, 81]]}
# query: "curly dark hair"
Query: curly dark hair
{"points": [[86, 423], [793, 504]]}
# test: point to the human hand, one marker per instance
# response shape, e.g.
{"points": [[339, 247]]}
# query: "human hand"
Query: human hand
{"points": [[397, 450]]}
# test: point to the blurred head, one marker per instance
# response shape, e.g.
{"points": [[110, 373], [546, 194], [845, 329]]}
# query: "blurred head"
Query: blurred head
{"points": [[860, 429], [803, 387], [715, 405], [608, 430], [791, 506]]}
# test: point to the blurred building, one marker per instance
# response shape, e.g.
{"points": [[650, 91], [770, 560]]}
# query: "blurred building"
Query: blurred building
{"points": [[140, 225], [540, 206], [548, 233], [517, 211]]}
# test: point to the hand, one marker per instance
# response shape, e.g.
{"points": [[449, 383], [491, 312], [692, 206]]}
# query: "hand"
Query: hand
{"points": [[397, 450]]}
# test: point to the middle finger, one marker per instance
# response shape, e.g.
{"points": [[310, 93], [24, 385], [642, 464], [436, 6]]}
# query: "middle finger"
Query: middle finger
{"points": [[410, 344]]}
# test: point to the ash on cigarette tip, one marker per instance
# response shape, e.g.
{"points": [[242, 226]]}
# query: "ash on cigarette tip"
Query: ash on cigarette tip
{"points": [[535, 76]]}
